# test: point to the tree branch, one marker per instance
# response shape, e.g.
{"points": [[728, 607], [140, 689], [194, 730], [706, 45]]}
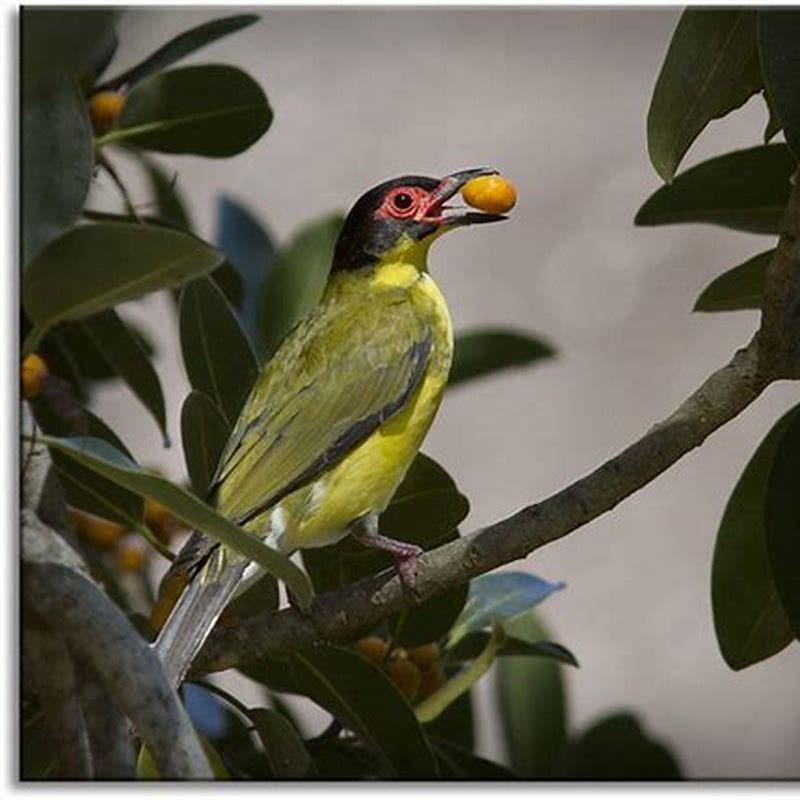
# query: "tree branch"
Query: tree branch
{"points": [[344, 613]]}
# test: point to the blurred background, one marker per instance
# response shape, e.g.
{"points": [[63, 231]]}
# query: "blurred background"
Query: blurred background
{"points": [[557, 100]]}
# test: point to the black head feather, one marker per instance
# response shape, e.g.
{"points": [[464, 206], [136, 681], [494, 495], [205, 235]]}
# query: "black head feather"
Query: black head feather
{"points": [[366, 237]]}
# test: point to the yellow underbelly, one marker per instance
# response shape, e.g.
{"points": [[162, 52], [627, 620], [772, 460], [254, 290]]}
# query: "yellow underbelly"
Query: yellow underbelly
{"points": [[366, 479]]}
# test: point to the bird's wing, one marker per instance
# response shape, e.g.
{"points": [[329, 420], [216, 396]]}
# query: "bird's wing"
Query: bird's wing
{"points": [[335, 380]]}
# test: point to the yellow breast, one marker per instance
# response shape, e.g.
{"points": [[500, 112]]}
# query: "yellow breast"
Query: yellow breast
{"points": [[367, 478]]}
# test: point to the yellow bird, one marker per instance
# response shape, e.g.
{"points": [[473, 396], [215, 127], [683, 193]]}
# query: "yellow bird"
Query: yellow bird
{"points": [[338, 414]]}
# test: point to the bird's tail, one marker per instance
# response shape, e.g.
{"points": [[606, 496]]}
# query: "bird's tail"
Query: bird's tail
{"points": [[193, 617]]}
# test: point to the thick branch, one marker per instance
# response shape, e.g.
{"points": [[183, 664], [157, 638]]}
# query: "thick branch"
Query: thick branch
{"points": [[53, 680], [343, 614], [779, 339]]}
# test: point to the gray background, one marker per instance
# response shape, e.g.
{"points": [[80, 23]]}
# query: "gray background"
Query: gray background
{"points": [[557, 100]]}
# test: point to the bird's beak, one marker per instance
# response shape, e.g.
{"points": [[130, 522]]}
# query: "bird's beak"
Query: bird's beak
{"points": [[436, 211]]}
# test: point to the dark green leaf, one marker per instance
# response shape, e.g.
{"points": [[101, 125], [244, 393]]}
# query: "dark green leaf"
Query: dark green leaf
{"points": [[180, 47], [70, 341], [710, 69], [297, 278], [778, 37], [112, 464], [363, 699], [250, 249], [124, 352], [455, 724], [746, 190], [774, 125], [260, 597], [738, 288], [63, 42], [218, 358], [484, 351], [204, 433], [617, 749], [169, 204], [83, 487], [500, 597], [57, 160], [210, 110], [532, 702], [458, 764], [749, 620], [95, 267], [782, 519], [432, 619], [471, 645], [345, 759], [286, 753]]}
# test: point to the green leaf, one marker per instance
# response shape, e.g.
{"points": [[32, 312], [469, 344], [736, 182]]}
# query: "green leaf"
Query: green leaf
{"points": [[739, 288], [749, 619], [480, 352], [95, 267], [62, 43], [456, 724], [471, 645], [204, 433], [532, 703], [124, 352], [218, 358], [146, 769], [169, 204], [297, 278], [251, 251], [433, 705], [57, 161], [499, 597], [112, 464], [210, 110], [286, 753], [711, 68], [83, 487], [364, 700], [459, 764], [746, 190], [782, 520], [778, 37], [617, 749], [180, 47]]}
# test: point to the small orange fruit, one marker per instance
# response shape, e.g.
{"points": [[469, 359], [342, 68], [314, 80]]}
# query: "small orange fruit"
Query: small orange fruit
{"points": [[432, 679], [104, 110], [34, 371], [373, 648], [131, 557], [490, 193], [405, 675], [424, 656], [97, 531], [161, 520]]}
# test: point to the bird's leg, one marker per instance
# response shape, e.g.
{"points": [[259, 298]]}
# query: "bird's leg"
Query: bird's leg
{"points": [[365, 531]]}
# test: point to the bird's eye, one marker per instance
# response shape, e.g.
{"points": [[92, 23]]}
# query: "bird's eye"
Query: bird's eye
{"points": [[403, 201]]}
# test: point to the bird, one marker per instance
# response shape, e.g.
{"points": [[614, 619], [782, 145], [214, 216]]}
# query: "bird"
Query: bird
{"points": [[337, 415]]}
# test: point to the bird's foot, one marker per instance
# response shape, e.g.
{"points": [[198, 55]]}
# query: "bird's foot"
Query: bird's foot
{"points": [[405, 562], [405, 555]]}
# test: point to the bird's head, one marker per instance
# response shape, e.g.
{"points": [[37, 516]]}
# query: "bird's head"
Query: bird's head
{"points": [[403, 217]]}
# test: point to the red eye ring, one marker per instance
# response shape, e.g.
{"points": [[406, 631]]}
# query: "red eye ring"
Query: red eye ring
{"points": [[403, 202]]}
